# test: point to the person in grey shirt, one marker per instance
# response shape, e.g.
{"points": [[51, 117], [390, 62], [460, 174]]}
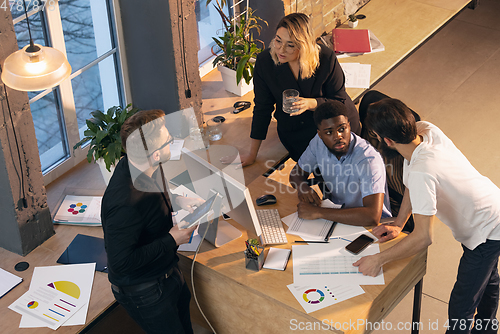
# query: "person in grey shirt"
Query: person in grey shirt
{"points": [[352, 170]]}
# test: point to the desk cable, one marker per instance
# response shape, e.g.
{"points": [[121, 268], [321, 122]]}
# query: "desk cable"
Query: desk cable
{"points": [[192, 281]]}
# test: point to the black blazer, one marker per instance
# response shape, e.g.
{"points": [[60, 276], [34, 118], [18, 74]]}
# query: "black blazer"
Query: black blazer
{"points": [[270, 80]]}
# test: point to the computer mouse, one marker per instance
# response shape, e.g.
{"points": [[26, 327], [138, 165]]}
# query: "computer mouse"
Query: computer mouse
{"points": [[265, 199]]}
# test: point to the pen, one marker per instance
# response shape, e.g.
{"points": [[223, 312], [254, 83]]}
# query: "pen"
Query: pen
{"points": [[314, 241], [330, 231]]}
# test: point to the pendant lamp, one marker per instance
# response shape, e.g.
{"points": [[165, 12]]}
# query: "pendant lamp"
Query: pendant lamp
{"points": [[35, 67]]}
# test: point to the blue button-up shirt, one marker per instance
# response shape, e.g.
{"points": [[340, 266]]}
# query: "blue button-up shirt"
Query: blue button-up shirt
{"points": [[358, 173]]}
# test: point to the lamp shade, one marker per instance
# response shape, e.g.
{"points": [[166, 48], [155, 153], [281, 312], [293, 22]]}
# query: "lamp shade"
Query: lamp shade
{"points": [[35, 68]]}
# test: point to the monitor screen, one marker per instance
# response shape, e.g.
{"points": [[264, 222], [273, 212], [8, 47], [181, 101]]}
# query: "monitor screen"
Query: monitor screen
{"points": [[236, 203]]}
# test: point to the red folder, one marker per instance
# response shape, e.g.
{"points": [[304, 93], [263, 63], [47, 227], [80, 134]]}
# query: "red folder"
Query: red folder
{"points": [[351, 40]]}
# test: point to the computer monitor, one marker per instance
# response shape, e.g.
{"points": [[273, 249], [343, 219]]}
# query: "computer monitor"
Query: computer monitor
{"points": [[236, 200]]}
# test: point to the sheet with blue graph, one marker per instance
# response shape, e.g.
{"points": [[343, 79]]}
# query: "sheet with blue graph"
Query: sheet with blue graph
{"points": [[320, 263]]}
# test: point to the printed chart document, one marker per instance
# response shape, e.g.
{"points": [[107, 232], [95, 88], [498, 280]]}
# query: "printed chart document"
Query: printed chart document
{"points": [[356, 75], [8, 281], [318, 296], [47, 306], [73, 280], [79, 210], [317, 263], [310, 229]]}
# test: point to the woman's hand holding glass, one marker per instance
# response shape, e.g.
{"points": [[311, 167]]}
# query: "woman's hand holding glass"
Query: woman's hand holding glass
{"points": [[302, 104]]}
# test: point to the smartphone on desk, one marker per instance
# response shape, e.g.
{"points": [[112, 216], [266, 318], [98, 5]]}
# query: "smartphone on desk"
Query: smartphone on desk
{"points": [[360, 243]]}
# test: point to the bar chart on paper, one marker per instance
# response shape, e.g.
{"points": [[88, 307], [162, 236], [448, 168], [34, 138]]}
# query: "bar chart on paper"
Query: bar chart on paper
{"points": [[340, 265]]}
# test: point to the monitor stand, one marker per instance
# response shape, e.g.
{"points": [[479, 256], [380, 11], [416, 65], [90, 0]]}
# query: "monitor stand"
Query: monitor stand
{"points": [[219, 231]]}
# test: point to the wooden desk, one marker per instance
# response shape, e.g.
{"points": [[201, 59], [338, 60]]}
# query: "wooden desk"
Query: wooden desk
{"points": [[234, 298], [46, 255]]}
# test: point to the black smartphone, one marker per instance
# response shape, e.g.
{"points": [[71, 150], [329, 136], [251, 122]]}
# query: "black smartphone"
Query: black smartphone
{"points": [[359, 244]]}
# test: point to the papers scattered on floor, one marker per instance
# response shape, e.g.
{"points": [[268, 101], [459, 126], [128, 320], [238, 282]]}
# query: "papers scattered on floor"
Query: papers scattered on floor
{"points": [[309, 229], [319, 263], [356, 75], [315, 297], [8, 281], [79, 210], [71, 283]]}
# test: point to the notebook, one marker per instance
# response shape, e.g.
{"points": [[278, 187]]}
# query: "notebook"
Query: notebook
{"points": [[277, 258], [351, 40], [86, 249], [8, 281]]}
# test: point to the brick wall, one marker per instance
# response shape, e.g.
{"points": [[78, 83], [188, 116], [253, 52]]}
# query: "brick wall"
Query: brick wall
{"points": [[326, 14]]}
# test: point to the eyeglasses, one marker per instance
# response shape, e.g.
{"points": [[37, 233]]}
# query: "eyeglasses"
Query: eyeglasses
{"points": [[168, 142], [289, 46]]}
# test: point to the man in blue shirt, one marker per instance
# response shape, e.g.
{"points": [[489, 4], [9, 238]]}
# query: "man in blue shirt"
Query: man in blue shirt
{"points": [[352, 170]]}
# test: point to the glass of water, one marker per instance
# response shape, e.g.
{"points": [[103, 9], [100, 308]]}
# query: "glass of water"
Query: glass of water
{"points": [[289, 97], [214, 131]]}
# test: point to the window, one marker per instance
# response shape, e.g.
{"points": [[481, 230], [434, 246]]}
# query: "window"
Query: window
{"points": [[85, 31]]}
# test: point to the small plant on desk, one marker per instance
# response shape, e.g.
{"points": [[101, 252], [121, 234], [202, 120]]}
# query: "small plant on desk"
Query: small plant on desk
{"points": [[353, 21]]}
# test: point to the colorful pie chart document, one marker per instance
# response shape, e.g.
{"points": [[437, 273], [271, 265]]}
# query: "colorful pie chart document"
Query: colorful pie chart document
{"points": [[316, 297], [79, 210], [49, 307], [319, 263], [73, 280]]}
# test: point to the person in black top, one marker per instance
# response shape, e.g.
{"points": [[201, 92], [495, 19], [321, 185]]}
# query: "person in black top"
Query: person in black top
{"points": [[140, 239], [294, 60]]}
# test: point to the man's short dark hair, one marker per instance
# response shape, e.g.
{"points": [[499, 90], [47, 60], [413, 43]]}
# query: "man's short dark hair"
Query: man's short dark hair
{"points": [[137, 120], [391, 118], [329, 110]]}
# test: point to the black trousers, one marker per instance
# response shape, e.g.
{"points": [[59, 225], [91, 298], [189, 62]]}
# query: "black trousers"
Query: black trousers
{"points": [[161, 308]]}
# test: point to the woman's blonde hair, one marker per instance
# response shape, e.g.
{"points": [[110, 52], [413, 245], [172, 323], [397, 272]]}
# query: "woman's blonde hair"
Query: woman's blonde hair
{"points": [[300, 31]]}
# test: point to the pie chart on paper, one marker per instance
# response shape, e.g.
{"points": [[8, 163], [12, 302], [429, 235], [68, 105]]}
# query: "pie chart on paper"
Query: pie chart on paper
{"points": [[66, 287]]}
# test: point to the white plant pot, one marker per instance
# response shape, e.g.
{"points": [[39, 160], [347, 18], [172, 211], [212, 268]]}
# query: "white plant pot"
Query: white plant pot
{"points": [[105, 173], [229, 81], [352, 24]]}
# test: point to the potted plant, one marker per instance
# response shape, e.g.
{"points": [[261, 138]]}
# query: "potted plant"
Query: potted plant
{"points": [[353, 21], [238, 49], [103, 132]]}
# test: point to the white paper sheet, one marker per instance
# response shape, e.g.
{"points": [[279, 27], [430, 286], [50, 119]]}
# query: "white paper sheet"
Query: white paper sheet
{"points": [[330, 262], [349, 232], [309, 229], [176, 148], [316, 297], [356, 75], [81, 275], [47, 306], [8, 281]]}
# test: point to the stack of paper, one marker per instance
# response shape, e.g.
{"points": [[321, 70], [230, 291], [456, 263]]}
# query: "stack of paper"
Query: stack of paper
{"points": [[323, 273], [58, 295], [79, 210]]}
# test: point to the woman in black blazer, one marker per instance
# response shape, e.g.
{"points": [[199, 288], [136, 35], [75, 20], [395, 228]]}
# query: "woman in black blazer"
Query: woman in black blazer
{"points": [[294, 60]]}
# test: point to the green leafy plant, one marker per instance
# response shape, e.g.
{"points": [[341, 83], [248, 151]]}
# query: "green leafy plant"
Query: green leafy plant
{"points": [[238, 45], [103, 132], [353, 18]]}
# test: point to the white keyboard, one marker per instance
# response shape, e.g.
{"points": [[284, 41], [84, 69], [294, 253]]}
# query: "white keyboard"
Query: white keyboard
{"points": [[272, 227]]}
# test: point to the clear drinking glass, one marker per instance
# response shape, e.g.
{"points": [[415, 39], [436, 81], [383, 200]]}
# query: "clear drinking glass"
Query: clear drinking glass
{"points": [[289, 97]]}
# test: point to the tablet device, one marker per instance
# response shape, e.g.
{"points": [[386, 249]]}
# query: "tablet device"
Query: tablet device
{"points": [[194, 218]]}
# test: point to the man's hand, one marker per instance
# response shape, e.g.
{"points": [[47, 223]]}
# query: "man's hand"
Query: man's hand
{"points": [[308, 195], [181, 236], [189, 203], [385, 232], [302, 104], [308, 211], [369, 265]]}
